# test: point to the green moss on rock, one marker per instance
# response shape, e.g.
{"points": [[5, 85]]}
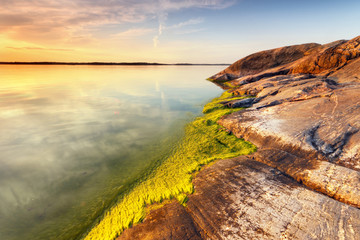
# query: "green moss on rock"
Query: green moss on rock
{"points": [[204, 142]]}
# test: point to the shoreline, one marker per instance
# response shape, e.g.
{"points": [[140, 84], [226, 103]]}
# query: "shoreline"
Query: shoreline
{"points": [[303, 180], [206, 140]]}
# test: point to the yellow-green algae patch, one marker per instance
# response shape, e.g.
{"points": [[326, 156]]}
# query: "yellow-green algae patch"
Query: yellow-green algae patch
{"points": [[204, 142]]}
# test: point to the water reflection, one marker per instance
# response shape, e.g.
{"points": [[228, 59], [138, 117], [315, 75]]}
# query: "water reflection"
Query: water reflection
{"points": [[73, 136]]}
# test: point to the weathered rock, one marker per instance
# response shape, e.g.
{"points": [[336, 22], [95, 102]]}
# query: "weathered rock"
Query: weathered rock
{"points": [[243, 103], [348, 74], [304, 59], [316, 115], [245, 199], [168, 222], [258, 62], [309, 123], [330, 59], [304, 180], [338, 182]]}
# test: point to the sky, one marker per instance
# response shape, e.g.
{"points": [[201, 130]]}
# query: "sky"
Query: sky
{"points": [[167, 31]]}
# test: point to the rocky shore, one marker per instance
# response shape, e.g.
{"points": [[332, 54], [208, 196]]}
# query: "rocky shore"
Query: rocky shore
{"points": [[303, 114]]}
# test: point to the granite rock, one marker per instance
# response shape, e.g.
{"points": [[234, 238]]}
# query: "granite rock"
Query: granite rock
{"points": [[244, 199], [304, 180]]}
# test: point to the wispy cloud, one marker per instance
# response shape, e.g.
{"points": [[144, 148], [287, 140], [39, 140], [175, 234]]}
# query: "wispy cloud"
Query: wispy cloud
{"points": [[167, 6], [178, 27], [39, 21], [156, 40], [189, 31], [193, 21], [95, 12], [134, 32], [39, 48]]}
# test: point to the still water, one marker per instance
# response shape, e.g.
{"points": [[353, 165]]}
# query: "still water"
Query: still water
{"points": [[74, 137]]}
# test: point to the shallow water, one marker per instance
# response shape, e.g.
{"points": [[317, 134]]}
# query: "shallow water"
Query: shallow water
{"points": [[74, 137]]}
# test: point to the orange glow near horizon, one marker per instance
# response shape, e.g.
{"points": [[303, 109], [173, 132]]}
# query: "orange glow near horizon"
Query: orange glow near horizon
{"points": [[165, 31], [92, 30]]}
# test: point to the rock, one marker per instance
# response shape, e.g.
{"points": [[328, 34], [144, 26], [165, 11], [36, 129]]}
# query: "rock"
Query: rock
{"points": [[335, 181], [169, 222], [244, 199], [304, 59], [308, 123], [348, 74], [243, 103], [304, 180], [258, 62], [316, 115], [330, 59]]}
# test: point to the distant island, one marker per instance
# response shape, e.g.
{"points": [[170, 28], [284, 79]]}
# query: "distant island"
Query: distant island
{"points": [[116, 63]]}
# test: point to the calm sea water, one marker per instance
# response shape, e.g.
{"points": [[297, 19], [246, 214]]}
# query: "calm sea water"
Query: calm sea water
{"points": [[74, 137]]}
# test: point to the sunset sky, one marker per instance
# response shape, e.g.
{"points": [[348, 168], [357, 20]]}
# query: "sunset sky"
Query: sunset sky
{"points": [[168, 31]]}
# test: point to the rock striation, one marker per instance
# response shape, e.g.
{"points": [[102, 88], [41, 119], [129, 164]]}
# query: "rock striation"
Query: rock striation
{"points": [[308, 124], [304, 180], [244, 199]]}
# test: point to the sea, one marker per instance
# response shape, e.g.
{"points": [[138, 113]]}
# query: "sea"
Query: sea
{"points": [[75, 137]]}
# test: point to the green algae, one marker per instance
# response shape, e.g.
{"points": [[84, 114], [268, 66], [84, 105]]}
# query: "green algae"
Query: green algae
{"points": [[204, 141]]}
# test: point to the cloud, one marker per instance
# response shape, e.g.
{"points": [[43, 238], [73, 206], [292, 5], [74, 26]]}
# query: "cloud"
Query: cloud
{"points": [[134, 32], [8, 19], [173, 5], [96, 12], [167, 6], [40, 48], [189, 31], [189, 22], [156, 41], [39, 21]]}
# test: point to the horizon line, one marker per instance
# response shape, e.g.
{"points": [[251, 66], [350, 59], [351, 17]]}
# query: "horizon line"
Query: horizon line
{"points": [[113, 63]]}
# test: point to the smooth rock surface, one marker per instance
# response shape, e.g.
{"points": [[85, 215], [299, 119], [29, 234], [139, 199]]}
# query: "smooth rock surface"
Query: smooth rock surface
{"points": [[169, 222], [244, 199], [316, 114]]}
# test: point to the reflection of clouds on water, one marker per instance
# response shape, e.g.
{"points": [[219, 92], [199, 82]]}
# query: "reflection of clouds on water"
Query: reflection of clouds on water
{"points": [[55, 142], [157, 85], [53, 146], [64, 141]]}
